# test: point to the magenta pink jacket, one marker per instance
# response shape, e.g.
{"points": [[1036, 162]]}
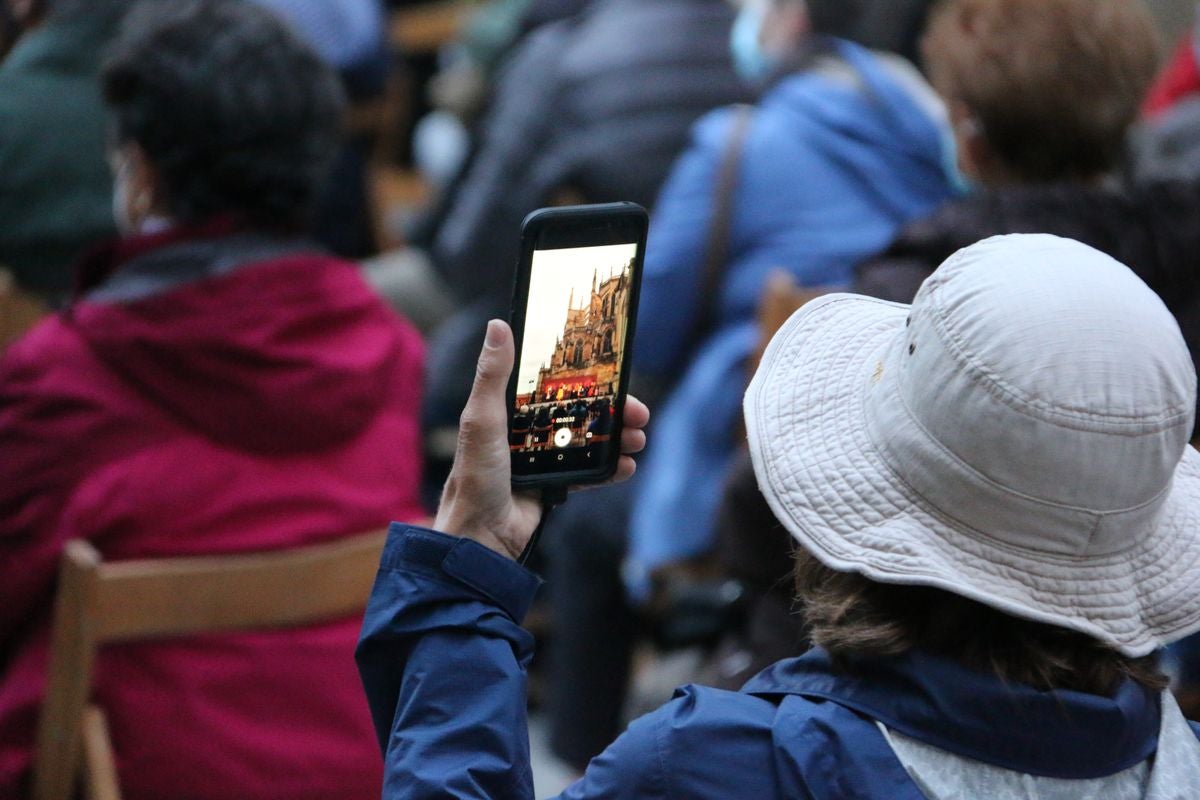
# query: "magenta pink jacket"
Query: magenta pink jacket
{"points": [[213, 393]]}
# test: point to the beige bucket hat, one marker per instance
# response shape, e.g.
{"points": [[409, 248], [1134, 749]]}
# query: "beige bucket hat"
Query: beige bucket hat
{"points": [[1018, 436]]}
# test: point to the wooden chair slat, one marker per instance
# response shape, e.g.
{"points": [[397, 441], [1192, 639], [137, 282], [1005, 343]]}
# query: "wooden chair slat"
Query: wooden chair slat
{"points": [[102, 602], [72, 653], [174, 597], [99, 764], [425, 28]]}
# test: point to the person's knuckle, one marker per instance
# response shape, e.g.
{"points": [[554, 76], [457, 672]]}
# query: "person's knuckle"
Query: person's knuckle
{"points": [[487, 370], [470, 426], [476, 426]]}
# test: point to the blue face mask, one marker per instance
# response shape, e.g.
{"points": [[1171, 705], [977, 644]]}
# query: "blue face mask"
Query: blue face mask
{"points": [[749, 60], [960, 184]]}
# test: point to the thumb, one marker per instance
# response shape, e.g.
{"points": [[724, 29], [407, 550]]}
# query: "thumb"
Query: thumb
{"points": [[485, 417]]}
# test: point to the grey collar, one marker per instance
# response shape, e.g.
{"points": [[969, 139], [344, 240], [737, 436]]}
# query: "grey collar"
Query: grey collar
{"points": [[177, 265]]}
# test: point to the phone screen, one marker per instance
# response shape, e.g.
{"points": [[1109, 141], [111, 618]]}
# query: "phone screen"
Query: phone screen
{"points": [[569, 370]]}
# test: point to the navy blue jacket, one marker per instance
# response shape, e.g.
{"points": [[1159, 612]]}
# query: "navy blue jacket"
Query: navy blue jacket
{"points": [[443, 659]]}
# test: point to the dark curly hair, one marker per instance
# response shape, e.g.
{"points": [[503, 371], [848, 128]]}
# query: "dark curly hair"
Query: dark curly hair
{"points": [[237, 115]]}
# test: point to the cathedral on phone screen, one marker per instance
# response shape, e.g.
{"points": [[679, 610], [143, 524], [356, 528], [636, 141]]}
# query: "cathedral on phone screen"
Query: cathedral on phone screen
{"points": [[569, 370]]}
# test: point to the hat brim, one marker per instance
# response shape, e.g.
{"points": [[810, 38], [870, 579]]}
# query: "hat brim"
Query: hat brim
{"points": [[829, 484]]}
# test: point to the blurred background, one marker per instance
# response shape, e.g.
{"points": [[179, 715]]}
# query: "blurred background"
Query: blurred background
{"points": [[158, 374]]}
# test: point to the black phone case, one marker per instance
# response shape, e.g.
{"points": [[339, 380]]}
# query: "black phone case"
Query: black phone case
{"points": [[576, 226]]}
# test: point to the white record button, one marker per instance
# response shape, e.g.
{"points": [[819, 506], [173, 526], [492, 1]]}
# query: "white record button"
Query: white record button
{"points": [[562, 437]]}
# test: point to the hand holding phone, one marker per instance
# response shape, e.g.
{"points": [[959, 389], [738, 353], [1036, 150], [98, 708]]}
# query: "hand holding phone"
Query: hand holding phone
{"points": [[479, 501], [574, 308]]}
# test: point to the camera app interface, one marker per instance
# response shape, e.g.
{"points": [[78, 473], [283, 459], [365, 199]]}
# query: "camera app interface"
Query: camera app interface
{"points": [[569, 369]]}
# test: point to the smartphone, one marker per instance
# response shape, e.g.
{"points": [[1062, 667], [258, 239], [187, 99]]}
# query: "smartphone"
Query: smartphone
{"points": [[574, 305]]}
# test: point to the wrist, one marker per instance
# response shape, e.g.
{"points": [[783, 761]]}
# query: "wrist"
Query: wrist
{"points": [[466, 526]]}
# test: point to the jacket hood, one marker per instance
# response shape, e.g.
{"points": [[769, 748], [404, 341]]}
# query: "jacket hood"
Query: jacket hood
{"points": [[872, 114], [1060, 734], [975, 727], [256, 344]]}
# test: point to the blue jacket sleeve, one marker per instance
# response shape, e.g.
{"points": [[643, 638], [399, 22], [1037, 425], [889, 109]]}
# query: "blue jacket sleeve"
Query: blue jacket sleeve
{"points": [[679, 233], [629, 769], [442, 658]]}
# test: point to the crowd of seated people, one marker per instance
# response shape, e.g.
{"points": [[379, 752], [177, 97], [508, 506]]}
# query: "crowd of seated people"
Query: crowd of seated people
{"points": [[217, 384], [589, 420], [844, 146], [592, 108], [1027, 140], [61, 43], [190, 365], [1035, 162]]}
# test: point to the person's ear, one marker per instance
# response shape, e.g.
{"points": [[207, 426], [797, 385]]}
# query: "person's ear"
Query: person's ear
{"points": [[976, 161], [796, 21], [145, 178], [141, 192], [786, 25], [26, 13]]}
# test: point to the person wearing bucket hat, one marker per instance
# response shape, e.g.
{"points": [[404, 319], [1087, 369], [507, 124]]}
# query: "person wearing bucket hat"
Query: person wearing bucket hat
{"points": [[996, 510], [1042, 94], [1019, 439]]}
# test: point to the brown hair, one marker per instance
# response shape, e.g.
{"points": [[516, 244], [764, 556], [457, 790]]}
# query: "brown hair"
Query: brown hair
{"points": [[1053, 84], [851, 616]]}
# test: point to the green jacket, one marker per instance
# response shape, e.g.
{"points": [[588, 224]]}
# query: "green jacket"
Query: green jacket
{"points": [[55, 187]]}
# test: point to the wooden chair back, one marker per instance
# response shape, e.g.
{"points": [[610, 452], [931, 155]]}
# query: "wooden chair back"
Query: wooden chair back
{"points": [[102, 602], [425, 28], [19, 311], [780, 298]]}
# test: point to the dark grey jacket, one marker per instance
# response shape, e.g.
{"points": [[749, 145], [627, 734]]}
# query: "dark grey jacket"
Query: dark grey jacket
{"points": [[599, 104]]}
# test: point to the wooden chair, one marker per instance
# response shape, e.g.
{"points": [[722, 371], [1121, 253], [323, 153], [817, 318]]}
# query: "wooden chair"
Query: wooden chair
{"points": [[19, 311], [781, 297], [100, 602], [425, 28]]}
